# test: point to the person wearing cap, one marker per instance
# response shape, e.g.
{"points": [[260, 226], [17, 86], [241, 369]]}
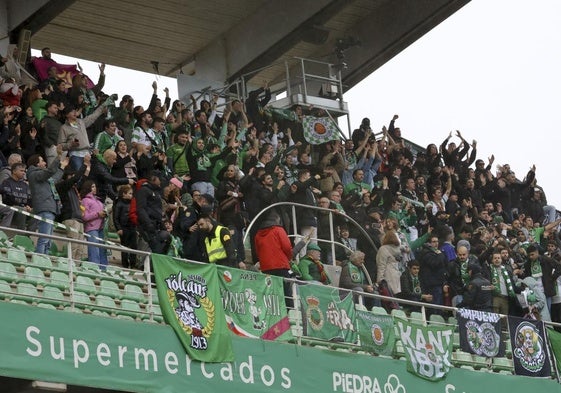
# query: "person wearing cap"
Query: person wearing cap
{"points": [[218, 243], [479, 292], [311, 267]]}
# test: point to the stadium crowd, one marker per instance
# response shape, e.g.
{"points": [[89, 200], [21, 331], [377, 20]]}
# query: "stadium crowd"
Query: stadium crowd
{"points": [[186, 179]]}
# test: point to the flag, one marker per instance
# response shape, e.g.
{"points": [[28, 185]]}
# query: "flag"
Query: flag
{"points": [[64, 71], [376, 332], [190, 302], [254, 304], [428, 349], [480, 333], [319, 130], [554, 338], [325, 315], [529, 347]]}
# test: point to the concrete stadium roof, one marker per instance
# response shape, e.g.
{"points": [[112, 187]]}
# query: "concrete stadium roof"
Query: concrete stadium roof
{"points": [[224, 39]]}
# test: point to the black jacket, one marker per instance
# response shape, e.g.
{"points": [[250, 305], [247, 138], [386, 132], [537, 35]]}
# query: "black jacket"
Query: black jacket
{"points": [[104, 181], [149, 208], [479, 294], [433, 271]]}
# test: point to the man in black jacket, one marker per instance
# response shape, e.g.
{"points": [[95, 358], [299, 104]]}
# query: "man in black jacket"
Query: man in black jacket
{"points": [[150, 214], [479, 292], [101, 174]]}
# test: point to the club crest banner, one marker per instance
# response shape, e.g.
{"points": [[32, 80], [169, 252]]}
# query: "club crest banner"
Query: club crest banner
{"points": [[428, 349], [325, 315], [254, 304], [480, 333], [190, 302], [318, 130], [376, 332], [529, 347]]}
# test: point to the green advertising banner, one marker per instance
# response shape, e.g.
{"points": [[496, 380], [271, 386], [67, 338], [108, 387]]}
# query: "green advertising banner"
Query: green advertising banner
{"points": [[376, 332], [190, 302], [428, 349], [254, 304], [87, 350], [325, 315]]}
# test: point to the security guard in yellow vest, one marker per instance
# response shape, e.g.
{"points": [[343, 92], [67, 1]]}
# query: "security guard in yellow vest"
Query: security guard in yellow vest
{"points": [[218, 242]]}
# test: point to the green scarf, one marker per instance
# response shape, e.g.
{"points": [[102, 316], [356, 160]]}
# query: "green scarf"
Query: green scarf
{"points": [[356, 274], [416, 285], [495, 279], [464, 273], [536, 268]]}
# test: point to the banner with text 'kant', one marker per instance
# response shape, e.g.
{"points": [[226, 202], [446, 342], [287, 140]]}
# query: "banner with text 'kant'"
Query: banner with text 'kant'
{"points": [[428, 349], [254, 304], [190, 302]]}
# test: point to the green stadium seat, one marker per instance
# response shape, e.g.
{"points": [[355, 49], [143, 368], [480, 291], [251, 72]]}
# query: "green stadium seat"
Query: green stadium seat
{"points": [[8, 272], [462, 359], [85, 284], [53, 295], [398, 314], [130, 308], [437, 320], [105, 303], [134, 292], [17, 256], [157, 313], [47, 306], [399, 350], [453, 322], [417, 318], [54, 251], [125, 317], [34, 275], [23, 242], [26, 292], [5, 290], [64, 264], [81, 300], [110, 288], [379, 310], [360, 307], [60, 280], [100, 313], [41, 261]]}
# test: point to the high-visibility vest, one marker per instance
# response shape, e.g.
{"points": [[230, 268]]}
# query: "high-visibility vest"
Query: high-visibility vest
{"points": [[214, 247]]}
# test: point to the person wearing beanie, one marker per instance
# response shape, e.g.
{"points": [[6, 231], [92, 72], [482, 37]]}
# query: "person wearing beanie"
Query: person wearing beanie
{"points": [[479, 292]]}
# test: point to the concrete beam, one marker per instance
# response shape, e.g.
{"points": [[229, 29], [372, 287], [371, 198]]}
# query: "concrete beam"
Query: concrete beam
{"points": [[229, 54]]}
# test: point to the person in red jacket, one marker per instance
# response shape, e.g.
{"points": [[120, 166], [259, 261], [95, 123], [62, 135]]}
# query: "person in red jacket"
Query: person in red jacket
{"points": [[273, 247]]}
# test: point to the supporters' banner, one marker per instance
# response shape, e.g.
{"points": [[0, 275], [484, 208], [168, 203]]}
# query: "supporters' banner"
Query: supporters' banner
{"points": [[254, 304], [480, 333], [325, 315], [376, 332], [529, 347], [554, 338], [190, 302], [428, 349], [64, 71], [319, 130]]}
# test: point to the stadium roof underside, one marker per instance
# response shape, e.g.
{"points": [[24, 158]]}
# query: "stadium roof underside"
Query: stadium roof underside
{"points": [[222, 40]]}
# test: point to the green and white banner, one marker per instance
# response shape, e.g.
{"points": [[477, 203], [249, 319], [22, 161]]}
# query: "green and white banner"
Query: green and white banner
{"points": [[376, 332], [325, 315], [254, 304], [428, 349], [108, 353], [190, 302]]}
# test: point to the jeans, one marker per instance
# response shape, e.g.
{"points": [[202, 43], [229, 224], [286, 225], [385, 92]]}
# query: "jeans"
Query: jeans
{"points": [[97, 254], [44, 244], [76, 162]]}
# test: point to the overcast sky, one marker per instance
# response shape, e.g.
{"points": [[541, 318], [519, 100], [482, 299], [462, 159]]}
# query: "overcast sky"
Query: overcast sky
{"points": [[491, 70]]}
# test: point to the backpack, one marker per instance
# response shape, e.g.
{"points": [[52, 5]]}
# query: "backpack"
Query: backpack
{"points": [[133, 215]]}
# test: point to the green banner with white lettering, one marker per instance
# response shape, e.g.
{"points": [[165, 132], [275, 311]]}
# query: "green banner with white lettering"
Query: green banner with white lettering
{"points": [[190, 302], [428, 349], [108, 353], [326, 315], [376, 332], [254, 304]]}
